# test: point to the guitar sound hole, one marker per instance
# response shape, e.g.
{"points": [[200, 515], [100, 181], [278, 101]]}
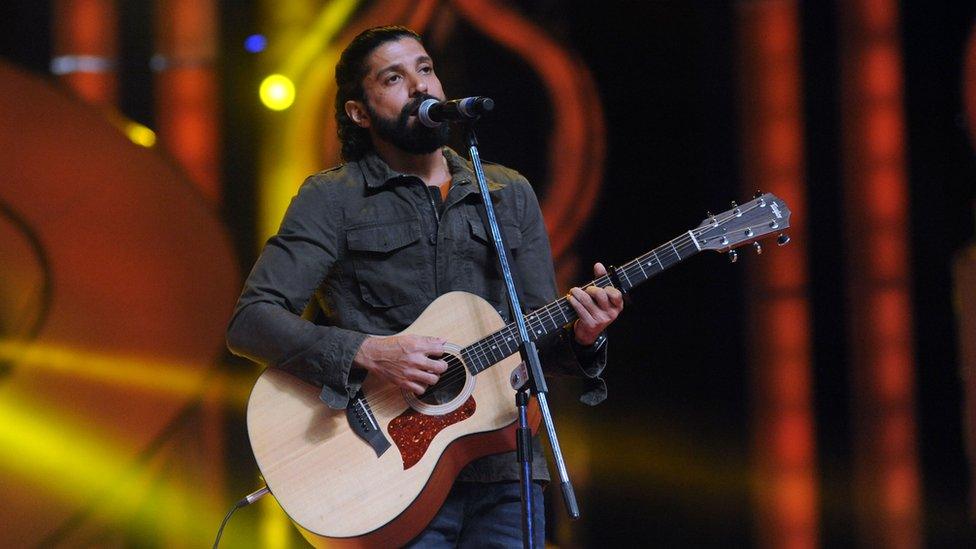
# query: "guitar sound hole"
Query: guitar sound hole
{"points": [[449, 385]]}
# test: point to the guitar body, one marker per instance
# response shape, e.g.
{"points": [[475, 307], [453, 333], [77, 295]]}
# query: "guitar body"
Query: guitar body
{"points": [[332, 483]]}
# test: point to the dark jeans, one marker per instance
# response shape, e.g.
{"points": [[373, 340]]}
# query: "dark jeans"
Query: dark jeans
{"points": [[478, 514]]}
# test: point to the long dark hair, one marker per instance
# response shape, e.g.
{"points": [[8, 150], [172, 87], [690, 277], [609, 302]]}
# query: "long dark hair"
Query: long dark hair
{"points": [[349, 74]]}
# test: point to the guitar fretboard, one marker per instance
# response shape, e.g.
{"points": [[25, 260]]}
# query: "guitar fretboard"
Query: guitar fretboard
{"points": [[490, 350]]}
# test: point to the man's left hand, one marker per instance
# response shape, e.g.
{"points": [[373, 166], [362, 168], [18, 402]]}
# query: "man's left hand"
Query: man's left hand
{"points": [[596, 307]]}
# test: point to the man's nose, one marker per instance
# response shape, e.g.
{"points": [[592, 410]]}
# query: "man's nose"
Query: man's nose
{"points": [[419, 84]]}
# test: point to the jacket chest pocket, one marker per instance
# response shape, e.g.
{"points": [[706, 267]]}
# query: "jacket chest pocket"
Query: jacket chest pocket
{"points": [[485, 276], [390, 262], [511, 233]]}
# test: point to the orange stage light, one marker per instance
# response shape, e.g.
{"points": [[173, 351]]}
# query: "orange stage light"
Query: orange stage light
{"points": [[86, 48], [784, 449], [886, 476], [186, 89]]}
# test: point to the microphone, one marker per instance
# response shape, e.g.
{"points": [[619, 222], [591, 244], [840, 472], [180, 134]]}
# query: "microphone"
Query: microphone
{"points": [[433, 113]]}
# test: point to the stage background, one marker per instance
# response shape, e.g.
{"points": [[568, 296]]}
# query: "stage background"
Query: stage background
{"points": [[123, 414]]}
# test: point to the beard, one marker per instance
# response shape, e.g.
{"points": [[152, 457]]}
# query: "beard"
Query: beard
{"points": [[414, 139]]}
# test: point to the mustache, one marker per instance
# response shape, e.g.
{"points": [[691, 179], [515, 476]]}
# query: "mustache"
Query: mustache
{"points": [[413, 105]]}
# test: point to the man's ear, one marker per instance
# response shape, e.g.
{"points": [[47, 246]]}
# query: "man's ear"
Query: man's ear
{"points": [[356, 112]]}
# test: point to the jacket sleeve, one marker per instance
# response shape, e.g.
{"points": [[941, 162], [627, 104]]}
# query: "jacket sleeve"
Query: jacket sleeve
{"points": [[559, 353], [267, 326]]}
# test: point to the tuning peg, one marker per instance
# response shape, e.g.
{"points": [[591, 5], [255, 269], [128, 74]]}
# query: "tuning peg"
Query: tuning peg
{"points": [[735, 209], [783, 239], [733, 256], [758, 247]]}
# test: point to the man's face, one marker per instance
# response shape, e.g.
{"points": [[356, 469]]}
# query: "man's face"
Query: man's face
{"points": [[401, 75]]}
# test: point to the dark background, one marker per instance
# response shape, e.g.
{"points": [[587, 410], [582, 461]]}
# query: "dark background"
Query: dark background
{"points": [[679, 380]]}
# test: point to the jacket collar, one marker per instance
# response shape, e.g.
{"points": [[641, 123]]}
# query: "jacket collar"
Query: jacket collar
{"points": [[376, 172]]}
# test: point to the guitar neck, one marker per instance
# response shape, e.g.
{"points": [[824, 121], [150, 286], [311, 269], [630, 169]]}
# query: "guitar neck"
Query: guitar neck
{"points": [[488, 351]]}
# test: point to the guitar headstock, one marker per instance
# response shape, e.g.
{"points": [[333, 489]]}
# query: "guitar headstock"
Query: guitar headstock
{"points": [[744, 224]]}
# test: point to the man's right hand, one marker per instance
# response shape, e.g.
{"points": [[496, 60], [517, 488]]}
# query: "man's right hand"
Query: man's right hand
{"points": [[404, 360]]}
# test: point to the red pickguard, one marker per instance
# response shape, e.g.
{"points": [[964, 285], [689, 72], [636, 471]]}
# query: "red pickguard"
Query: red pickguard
{"points": [[412, 431]]}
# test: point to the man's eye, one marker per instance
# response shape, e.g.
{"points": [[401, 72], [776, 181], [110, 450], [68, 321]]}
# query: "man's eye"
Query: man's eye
{"points": [[426, 70], [392, 78]]}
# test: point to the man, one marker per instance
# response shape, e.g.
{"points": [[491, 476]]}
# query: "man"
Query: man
{"points": [[377, 239]]}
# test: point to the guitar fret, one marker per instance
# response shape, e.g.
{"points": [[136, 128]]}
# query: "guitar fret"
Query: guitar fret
{"points": [[495, 351], [478, 358], [551, 319], [633, 273], [544, 324], [675, 250], [509, 342], [624, 272], [472, 360], [564, 309], [499, 342], [667, 257], [533, 325], [492, 351], [642, 270], [650, 264]]}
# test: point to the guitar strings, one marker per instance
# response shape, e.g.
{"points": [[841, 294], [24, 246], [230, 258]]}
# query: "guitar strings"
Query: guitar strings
{"points": [[456, 365], [382, 398]]}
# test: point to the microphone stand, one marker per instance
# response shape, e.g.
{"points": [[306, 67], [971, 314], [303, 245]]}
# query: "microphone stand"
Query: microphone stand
{"points": [[536, 380]]}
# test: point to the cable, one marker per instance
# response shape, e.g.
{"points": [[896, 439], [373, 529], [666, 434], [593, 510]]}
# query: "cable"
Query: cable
{"points": [[248, 499]]}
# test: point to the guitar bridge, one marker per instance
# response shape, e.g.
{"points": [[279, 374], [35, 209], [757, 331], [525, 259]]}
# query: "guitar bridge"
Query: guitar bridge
{"points": [[363, 423]]}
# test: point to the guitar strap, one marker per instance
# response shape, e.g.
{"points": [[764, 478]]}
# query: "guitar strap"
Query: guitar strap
{"points": [[483, 213]]}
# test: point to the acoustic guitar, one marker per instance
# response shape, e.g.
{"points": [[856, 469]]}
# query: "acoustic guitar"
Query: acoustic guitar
{"points": [[375, 473]]}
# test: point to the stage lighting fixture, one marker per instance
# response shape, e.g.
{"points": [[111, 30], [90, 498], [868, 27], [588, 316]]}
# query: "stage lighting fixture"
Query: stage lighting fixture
{"points": [[277, 92], [256, 43], [140, 135]]}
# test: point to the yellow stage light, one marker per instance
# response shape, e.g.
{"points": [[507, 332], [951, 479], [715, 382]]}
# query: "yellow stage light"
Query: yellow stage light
{"points": [[140, 135], [308, 56], [71, 460], [139, 373], [274, 529], [277, 92]]}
